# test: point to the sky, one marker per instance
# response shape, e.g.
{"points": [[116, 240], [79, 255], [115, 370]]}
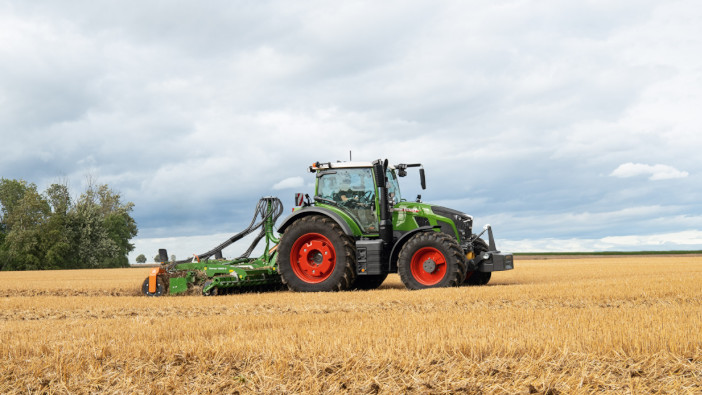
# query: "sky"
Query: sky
{"points": [[568, 126]]}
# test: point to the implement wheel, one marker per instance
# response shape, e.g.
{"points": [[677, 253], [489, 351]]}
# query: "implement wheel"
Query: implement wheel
{"points": [[315, 255], [159, 287], [478, 278], [211, 292], [431, 260]]}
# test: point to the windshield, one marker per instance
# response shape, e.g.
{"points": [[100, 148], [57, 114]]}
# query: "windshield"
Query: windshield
{"points": [[343, 184], [393, 186]]}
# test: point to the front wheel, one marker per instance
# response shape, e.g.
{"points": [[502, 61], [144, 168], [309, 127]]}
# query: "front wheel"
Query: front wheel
{"points": [[431, 260], [316, 255], [478, 278]]}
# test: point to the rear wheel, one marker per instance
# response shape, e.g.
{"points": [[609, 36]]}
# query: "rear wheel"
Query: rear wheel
{"points": [[431, 260], [316, 255], [372, 281], [475, 277]]}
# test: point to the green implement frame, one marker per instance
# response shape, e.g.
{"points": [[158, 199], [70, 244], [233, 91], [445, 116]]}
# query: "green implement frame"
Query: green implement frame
{"points": [[220, 276]]}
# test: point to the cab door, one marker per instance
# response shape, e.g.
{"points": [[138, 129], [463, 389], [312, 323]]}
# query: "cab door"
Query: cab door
{"points": [[353, 191]]}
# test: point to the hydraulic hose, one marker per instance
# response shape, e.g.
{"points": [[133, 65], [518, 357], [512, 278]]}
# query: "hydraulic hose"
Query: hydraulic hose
{"points": [[269, 210]]}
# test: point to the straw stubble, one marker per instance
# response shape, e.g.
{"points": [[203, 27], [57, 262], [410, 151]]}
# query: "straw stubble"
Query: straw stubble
{"points": [[625, 324]]}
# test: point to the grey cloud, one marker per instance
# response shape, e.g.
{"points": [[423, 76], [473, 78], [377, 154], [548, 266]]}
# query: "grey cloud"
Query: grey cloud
{"points": [[519, 110]]}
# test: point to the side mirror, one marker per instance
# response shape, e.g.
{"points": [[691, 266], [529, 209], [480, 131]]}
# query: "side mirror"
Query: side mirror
{"points": [[422, 178]]}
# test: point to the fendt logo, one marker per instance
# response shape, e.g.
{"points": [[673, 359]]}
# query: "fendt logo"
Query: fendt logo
{"points": [[406, 210]]}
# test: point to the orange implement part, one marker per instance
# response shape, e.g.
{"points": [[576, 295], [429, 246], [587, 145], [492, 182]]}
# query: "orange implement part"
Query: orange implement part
{"points": [[152, 278]]}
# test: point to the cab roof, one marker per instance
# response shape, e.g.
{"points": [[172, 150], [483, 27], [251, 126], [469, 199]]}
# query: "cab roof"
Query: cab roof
{"points": [[341, 165]]}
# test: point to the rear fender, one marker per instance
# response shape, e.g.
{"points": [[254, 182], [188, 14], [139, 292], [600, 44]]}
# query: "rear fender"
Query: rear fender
{"points": [[305, 211]]}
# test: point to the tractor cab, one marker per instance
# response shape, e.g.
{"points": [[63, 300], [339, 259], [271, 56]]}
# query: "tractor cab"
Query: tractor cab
{"points": [[359, 220], [352, 187]]}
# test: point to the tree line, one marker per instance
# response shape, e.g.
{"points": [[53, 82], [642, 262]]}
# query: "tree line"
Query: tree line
{"points": [[50, 230]]}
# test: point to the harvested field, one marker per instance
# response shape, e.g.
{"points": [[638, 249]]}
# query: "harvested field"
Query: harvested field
{"points": [[619, 325]]}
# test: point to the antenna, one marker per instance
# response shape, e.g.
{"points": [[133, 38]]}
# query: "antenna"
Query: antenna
{"points": [[350, 160]]}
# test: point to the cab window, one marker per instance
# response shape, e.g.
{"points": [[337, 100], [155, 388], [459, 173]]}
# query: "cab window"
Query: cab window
{"points": [[353, 190], [393, 186]]}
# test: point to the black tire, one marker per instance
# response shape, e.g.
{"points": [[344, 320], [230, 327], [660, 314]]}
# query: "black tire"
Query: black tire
{"points": [[475, 278], [367, 282], [328, 265], [212, 292], [431, 260], [159, 287]]}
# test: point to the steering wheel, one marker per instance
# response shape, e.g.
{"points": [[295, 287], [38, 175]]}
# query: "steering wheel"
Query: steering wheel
{"points": [[349, 203]]}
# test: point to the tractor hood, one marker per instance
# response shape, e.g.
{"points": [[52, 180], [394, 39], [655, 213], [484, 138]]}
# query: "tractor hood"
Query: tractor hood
{"points": [[408, 215], [425, 209]]}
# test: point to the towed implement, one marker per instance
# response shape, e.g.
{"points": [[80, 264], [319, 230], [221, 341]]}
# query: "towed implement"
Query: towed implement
{"points": [[354, 232], [219, 276]]}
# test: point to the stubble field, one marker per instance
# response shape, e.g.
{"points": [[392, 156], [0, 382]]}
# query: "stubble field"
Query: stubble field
{"points": [[620, 325]]}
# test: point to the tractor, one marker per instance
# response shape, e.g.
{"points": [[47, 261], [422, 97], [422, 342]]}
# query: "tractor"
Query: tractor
{"points": [[357, 229], [354, 231]]}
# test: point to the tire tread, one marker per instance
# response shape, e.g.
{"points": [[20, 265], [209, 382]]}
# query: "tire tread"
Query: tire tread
{"points": [[345, 281], [455, 256]]}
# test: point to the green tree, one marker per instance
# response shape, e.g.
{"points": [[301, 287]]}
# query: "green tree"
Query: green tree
{"points": [[4, 253], [58, 234], [50, 231], [120, 225], [11, 192], [94, 245], [141, 258], [25, 214]]}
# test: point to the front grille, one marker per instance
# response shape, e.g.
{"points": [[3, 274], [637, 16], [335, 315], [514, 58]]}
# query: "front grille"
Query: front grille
{"points": [[463, 222], [421, 221]]}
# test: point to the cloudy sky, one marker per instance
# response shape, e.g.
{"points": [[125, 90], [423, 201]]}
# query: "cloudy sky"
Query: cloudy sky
{"points": [[569, 126]]}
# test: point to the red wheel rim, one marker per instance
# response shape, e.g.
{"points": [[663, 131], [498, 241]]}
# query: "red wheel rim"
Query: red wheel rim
{"points": [[313, 258], [428, 266]]}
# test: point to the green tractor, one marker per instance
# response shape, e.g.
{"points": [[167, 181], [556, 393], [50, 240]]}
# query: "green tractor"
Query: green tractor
{"points": [[354, 232], [357, 229]]}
